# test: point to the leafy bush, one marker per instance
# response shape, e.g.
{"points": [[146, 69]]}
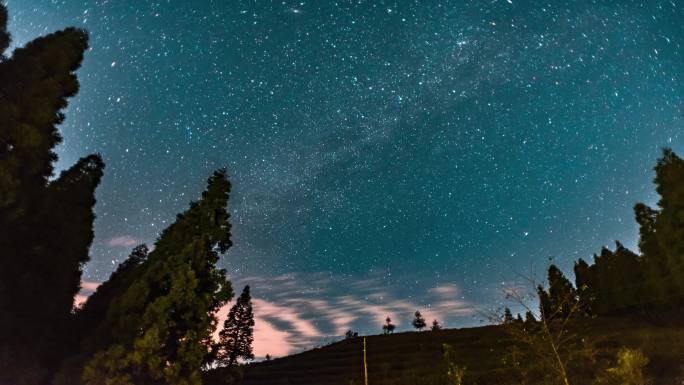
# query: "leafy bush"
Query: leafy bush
{"points": [[629, 369]]}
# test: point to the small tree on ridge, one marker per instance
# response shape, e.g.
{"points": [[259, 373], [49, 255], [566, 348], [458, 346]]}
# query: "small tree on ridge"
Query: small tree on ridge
{"points": [[388, 327], [418, 321]]}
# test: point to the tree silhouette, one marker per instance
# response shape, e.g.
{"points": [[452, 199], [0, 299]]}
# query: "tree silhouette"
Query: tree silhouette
{"points": [[46, 224], [418, 321], [4, 35], [610, 285], [435, 326], [622, 283], [508, 316], [550, 343], [238, 332], [388, 327], [91, 320], [561, 296], [161, 326], [350, 334], [662, 236]]}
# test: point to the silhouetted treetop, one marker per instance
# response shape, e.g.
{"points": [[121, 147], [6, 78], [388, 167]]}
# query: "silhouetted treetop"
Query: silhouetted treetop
{"points": [[35, 84], [418, 321], [46, 226], [4, 35]]}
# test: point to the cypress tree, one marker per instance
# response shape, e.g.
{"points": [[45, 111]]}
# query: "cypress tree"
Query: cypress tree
{"points": [[161, 326], [237, 334]]}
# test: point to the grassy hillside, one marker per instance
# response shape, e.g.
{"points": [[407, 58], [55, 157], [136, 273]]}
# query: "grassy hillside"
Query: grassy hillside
{"points": [[417, 358]]}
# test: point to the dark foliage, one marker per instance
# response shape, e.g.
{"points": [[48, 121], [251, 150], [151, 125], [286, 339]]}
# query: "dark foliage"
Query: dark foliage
{"points": [[508, 316], [46, 226], [560, 298], [4, 35], [388, 327], [91, 320], [160, 327], [418, 321], [350, 334], [651, 283]]}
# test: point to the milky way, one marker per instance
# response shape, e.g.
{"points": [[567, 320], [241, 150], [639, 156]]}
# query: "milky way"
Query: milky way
{"points": [[395, 155]]}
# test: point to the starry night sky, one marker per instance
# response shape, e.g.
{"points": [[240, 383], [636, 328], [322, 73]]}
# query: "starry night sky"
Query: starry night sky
{"points": [[385, 156]]}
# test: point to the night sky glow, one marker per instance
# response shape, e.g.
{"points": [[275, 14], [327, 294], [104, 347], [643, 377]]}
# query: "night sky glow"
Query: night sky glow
{"points": [[385, 156]]}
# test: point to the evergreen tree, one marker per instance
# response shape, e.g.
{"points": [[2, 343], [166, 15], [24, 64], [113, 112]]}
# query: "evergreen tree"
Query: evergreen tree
{"points": [[418, 321], [46, 226], [621, 282], [35, 84], [68, 226], [508, 316], [435, 326], [4, 35], [610, 285], [561, 297], [161, 326], [388, 327], [669, 232], [93, 315], [238, 332], [654, 258], [91, 320]]}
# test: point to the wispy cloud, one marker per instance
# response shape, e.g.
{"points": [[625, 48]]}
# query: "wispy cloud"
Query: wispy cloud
{"points": [[295, 312], [123, 241], [87, 288]]}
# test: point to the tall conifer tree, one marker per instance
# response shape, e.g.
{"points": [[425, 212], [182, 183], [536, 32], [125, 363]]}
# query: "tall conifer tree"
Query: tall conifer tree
{"points": [[46, 226], [4, 35], [238, 332], [560, 298], [161, 326]]}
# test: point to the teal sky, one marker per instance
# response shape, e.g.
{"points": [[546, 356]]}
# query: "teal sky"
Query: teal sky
{"points": [[384, 155]]}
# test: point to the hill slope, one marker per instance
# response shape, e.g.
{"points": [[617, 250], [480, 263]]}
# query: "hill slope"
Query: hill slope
{"points": [[417, 358]]}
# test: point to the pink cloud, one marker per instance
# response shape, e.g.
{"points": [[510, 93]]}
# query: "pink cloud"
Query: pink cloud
{"points": [[445, 290], [270, 340], [298, 315], [287, 314], [87, 288], [123, 241], [79, 300]]}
